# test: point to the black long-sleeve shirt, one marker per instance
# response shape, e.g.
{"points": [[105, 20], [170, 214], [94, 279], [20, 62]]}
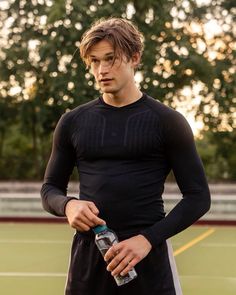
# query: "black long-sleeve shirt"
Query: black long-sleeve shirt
{"points": [[123, 156]]}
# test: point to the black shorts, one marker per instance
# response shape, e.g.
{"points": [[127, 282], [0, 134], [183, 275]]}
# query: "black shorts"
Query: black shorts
{"points": [[87, 275]]}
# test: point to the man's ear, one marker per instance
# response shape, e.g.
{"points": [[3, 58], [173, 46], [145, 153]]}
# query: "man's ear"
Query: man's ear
{"points": [[136, 59]]}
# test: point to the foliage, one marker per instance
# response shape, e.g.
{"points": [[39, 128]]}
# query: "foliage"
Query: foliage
{"points": [[40, 60], [218, 155]]}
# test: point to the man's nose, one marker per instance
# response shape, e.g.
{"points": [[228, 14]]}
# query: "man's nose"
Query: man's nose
{"points": [[103, 68]]}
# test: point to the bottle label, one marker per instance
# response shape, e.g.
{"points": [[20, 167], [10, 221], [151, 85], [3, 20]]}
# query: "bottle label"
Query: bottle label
{"points": [[121, 280]]}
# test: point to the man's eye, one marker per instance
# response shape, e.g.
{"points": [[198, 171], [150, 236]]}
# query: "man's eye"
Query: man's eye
{"points": [[110, 58], [94, 61]]}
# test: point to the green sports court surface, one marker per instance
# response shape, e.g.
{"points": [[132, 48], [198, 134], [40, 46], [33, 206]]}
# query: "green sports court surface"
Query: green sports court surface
{"points": [[34, 259]]}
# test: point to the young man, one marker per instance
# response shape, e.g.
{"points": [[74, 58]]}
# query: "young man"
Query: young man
{"points": [[124, 145]]}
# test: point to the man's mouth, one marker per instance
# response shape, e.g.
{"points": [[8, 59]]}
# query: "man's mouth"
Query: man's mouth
{"points": [[105, 80]]}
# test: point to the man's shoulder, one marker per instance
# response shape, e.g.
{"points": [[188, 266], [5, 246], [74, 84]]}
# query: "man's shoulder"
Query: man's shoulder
{"points": [[160, 109], [84, 106], [170, 119], [75, 112]]}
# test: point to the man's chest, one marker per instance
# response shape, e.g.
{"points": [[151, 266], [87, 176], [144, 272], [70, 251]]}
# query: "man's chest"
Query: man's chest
{"points": [[116, 135]]}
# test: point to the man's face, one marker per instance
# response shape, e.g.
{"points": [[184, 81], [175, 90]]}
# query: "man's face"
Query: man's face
{"points": [[113, 75]]}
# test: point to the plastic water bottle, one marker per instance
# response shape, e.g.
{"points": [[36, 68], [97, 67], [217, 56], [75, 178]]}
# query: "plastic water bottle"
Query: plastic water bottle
{"points": [[104, 239]]}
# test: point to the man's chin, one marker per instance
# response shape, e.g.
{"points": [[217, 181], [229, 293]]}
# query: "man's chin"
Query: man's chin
{"points": [[107, 90]]}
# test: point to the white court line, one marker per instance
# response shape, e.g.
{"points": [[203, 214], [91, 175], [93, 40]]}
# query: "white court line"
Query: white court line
{"points": [[34, 241], [56, 274], [218, 245], [5, 241], [32, 274], [210, 245], [207, 277]]}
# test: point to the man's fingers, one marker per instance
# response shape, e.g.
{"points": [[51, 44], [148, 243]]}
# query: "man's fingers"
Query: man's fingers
{"points": [[92, 218], [86, 219], [82, 215], [93, 208], [112, 252], [92, 213], [122, 257], [98, 221], [80, 226], [120, 261], [114, 256], [129, 266], [119, 265]]}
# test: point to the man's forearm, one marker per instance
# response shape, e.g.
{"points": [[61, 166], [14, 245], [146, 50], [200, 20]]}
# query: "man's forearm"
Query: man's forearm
{"points": [[54, 200], [184, 214]]}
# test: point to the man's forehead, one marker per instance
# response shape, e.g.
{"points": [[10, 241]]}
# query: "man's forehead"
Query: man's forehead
{"points": [[102, 48], [99, 54]]}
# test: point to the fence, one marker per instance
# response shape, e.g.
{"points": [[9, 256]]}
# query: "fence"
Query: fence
{"points": [[22, 201]]}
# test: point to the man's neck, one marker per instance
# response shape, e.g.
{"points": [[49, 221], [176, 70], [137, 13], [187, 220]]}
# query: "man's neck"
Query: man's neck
{"points": [[122, 99]]}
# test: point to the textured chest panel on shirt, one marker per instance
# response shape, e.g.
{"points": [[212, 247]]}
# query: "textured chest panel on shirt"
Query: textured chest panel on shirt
{"points": [[88, 134], [142, 133], [97, 135]]}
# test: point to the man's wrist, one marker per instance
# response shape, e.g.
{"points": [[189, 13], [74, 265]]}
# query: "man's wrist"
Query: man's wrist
{"points": [[68, 202], [146, 241]]}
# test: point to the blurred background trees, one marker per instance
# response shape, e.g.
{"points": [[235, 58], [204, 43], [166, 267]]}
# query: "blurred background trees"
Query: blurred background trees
{"points": [[188, 63]]}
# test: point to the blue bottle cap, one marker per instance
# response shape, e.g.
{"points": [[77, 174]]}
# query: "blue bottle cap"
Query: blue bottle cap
{"points": [[99, 228]]}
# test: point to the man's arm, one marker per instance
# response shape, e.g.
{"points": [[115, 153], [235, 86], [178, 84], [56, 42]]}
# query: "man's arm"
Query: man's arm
{"points": [[58, 171], [81, 215], [183, 159]]}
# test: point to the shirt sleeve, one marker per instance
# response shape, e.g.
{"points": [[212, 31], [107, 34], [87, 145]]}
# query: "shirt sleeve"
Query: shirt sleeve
{"points": [[187, 167], [58, 171]]}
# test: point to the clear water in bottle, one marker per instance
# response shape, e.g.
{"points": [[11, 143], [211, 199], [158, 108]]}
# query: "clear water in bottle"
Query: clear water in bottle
{"points": [[104, 239]]}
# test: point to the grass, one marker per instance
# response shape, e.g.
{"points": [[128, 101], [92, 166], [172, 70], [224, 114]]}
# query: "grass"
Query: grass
{"points": [[34, 259]]}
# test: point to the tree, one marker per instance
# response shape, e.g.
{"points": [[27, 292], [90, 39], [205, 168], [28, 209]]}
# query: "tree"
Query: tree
{"points": [[41, 57], [7, 113], [218, 154]]}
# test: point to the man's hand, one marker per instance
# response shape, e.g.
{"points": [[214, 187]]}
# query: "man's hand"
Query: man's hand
{"points": [[123, 256], [82, 215]]}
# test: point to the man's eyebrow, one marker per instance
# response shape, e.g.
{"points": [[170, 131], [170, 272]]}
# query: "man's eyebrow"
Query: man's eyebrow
{"points": [[107, 54]]}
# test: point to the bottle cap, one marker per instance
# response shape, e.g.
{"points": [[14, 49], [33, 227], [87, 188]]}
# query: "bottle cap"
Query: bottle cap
{"points": [[99, 228]]}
